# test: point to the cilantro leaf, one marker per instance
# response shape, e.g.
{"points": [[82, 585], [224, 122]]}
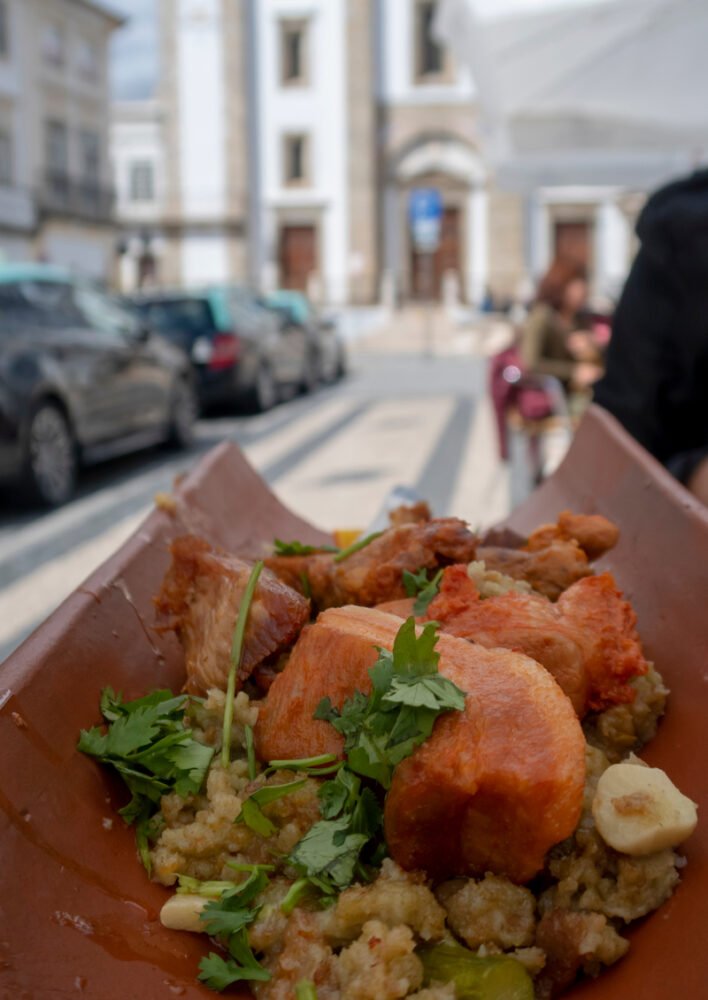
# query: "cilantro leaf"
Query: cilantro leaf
{"points": [[251, 813], [148, 743], [437, 693], [281, 548], [330, 851], [217, 973], [415, 655], [427, 595], [413, 583]]}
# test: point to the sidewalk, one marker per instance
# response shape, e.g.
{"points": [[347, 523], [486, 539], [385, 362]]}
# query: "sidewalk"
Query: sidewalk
{"points": [[436, 331]]}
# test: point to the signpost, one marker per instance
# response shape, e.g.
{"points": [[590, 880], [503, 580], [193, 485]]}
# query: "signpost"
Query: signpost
{"points": [[425, 209]]}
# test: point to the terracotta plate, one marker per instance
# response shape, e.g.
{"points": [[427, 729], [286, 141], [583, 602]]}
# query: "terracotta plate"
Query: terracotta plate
{"points": [[77, 914]]}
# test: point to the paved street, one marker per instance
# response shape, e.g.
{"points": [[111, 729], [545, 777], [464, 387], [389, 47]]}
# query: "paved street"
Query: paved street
{"points": [[332, 457]]}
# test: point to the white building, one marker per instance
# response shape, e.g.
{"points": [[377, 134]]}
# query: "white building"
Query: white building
{"points": [[286, 139], [56, 200]]}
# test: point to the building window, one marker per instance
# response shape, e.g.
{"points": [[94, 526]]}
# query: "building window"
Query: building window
{"points": [[295, 158], [57, 148], [87, 60], [53, 44], [6, 170], [429, 55], [90, 144], [142, 181], [4, 29], [293, 52]]}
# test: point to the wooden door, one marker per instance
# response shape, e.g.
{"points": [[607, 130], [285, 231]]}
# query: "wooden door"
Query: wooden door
{"points": [[297, 256], [573, 241], [427, 276]]}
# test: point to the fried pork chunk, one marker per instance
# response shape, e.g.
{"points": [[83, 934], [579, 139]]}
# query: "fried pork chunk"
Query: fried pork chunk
{"points": [[492, 789], [200, 598], [375, 573], [555, 555], [587, 640]]}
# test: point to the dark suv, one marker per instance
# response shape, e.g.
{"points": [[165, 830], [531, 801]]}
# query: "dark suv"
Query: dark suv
{"points": [[241, 351]]}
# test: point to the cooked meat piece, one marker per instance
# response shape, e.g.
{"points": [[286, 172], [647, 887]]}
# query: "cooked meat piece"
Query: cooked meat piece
{"points": [[375, 573], [605, 628], [594, 534], [403, 607], [506, 775], [587, 640], [201, 596], [524, 622], [413, 514], [549, 570], [574, 941]]}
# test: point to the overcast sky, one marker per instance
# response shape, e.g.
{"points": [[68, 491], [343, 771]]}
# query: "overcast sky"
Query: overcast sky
{"points": [[134, 64]]}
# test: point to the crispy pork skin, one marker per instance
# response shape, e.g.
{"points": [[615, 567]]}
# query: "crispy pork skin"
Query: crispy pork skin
{"points": [[587, 640], [492, 789], [375, 573], [200, 598]]}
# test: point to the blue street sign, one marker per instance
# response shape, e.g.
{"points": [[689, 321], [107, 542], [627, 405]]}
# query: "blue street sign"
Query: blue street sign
{"points": [[425, 210]]}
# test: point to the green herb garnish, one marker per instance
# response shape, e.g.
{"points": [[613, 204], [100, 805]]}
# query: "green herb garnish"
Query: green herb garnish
{"points": [[282, 548], [227, 918], [424, 590], [379, 731], [149, 744], [305, 990], [251, 811], [250, 753], [356, 546], [236, 650]]}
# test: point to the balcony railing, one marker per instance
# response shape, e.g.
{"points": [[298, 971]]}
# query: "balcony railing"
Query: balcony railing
{"points": [[60, 194]]}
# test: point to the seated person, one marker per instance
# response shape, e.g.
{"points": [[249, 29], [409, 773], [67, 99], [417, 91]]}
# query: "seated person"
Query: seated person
{"points": [[553, 341]]}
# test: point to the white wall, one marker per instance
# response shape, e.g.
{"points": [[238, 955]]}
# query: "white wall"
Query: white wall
{"points": [[398, 57], [318, 110], [85, 255], [204, 258], [202, 124], [136, 135]]}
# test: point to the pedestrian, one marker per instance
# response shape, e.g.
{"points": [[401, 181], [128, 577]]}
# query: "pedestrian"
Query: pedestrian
{"points": [[555, 338], [656, 382]]}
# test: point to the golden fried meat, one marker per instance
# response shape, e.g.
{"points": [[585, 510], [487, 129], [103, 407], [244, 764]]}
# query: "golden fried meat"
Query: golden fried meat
{"points": [[200, 599], [492, 789], [375, 573]]}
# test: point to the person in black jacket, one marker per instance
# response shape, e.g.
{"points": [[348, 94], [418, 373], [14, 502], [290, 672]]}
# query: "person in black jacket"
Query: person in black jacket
{"points": [[656, 380]]}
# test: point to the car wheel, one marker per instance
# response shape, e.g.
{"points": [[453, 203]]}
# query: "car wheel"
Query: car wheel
{"points": [[50, 457], [184, 412], [265, 391]]}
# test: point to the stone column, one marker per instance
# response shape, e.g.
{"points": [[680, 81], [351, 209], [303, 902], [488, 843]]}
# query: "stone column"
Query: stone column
{"points": [[477, 244]]}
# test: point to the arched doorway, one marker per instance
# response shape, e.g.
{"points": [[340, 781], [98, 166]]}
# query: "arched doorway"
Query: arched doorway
{"points": [[457, 171]]}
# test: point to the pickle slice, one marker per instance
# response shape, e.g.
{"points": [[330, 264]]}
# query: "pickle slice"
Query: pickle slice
{"points": [[495, 977]]}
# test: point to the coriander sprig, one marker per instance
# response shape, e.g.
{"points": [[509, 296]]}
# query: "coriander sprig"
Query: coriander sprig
{"points": [[236, 650], [380, 730]]}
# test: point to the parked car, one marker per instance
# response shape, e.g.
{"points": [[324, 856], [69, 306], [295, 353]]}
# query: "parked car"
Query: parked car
{"points": [[324, 346], [81, 380], [241, 350]]}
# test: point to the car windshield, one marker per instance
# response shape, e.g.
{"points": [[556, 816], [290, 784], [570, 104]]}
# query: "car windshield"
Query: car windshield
{"points": [[46, 304], [102, 313], [295, 305], [172, 316]]}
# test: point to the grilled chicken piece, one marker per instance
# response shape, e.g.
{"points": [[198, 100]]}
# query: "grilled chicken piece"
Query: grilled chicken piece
{"points": [[549, 570], [594, 533], [587, 640], [492, 789], [201, 596], [375, 573], [555, 555]]}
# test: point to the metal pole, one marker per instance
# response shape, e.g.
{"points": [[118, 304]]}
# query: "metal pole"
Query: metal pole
{"points": [[428, 304]]}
